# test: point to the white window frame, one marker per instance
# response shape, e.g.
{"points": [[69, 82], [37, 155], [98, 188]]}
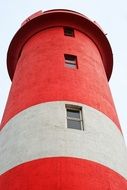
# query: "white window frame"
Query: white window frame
{"points": [[75, 108]]}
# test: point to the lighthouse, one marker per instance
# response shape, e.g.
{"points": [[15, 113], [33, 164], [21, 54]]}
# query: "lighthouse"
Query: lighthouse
{"points": [[60, 129]]}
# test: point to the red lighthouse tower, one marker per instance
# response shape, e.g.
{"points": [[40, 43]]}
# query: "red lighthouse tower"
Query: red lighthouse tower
{"points": [[60, 130]]}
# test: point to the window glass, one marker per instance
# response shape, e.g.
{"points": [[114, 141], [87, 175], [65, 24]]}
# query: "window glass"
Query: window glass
{"points": [[68, 31], [70, 60], [73, 113], [74, 124], [74, 117]]}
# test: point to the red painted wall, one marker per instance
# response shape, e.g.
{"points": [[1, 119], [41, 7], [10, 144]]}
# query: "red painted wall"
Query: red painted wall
{"points": [[62, 174], [41, 75]]}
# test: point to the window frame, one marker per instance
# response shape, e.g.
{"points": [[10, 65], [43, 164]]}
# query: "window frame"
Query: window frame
{"points": [[67, 33], [70, 61], [80, 119]]}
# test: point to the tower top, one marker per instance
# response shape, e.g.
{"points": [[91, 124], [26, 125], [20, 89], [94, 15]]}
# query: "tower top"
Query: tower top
{"points": [[59, 17]]}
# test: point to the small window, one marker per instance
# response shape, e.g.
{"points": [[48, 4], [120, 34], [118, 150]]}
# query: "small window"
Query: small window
{"points": [[74, 117], [70, 61], [68, 31]]}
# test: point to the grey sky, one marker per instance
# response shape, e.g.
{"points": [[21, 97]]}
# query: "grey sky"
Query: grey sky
{"points": [[111, 16]]}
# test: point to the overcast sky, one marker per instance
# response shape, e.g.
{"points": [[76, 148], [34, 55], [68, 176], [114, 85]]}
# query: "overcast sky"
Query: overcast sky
{"points": [[111, 16]]}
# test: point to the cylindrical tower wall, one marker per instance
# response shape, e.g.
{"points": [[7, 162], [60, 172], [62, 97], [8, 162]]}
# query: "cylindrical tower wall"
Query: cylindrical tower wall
{"points": [[60, 129], [42, 76]]}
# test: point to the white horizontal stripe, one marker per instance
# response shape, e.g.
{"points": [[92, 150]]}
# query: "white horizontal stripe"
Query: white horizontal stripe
{"points": [[40, 131]]}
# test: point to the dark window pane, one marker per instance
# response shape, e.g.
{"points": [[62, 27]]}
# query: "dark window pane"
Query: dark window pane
{"points": [[74, 124], [70, 57], [70, 61], [73, 113], [69, 31]]}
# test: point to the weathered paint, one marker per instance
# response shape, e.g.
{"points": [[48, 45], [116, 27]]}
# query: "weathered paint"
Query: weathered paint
{"points": [[61, 174], [41, 131], [41, 74]]}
